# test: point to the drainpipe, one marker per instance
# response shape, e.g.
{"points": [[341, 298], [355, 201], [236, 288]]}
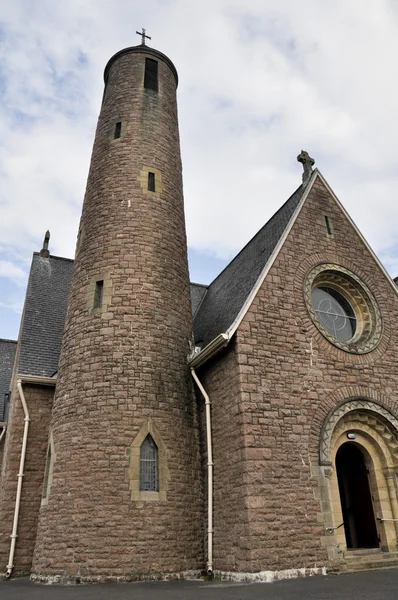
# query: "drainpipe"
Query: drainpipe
{"points": [[209, 476], [14, 535]]}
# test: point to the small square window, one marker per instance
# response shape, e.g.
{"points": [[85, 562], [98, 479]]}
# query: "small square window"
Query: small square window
{"points": [[99, 292], [151, 182], [118, 130]]}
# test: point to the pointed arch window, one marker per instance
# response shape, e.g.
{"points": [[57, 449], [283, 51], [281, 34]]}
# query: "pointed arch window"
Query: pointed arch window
{"points": [[149, 465]]}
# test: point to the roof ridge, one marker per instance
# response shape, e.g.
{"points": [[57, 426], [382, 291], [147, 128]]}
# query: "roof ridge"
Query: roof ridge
{"points": [[56, 257], [255, 235], [200, 284]]}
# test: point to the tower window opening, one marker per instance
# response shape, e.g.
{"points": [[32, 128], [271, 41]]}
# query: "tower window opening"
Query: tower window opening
{"points": [[45, 493], [149, 465], [118, 130], [151, 74], [99, 293], [151, 182], [328, 227]]}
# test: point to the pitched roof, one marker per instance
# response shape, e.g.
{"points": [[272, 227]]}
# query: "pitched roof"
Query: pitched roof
{"points": [[44, 315], [198, 290], [7, 357], [227, 294]]}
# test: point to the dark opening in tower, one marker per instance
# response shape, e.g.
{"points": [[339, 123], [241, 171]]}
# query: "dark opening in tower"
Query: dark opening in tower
{"points": [[151, 182], [151, 74]]}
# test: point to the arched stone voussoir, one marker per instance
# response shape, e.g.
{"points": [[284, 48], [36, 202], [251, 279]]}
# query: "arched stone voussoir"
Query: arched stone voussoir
{"points": [[363, 404]]}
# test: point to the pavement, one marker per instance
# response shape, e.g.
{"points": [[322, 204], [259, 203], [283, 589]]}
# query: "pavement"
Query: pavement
{"points": [[368, 585]]}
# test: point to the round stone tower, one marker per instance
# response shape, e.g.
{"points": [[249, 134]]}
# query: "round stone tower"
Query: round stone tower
{"points": [[122, 495]]}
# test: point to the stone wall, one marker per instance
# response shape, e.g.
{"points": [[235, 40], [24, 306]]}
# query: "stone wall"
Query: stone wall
{"points": [[39, 401], [220, 378], [290, 378]]}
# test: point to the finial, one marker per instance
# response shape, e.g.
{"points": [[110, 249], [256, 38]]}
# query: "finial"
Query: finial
{"points": [[44, 252], [307, 163], [143, 36]]}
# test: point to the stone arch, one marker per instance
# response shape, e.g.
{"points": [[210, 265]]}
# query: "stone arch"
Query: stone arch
{"points": [[372, 410], [381, 465], [376, 427], [148, 427]]}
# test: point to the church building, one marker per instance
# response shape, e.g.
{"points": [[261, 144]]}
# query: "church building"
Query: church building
{"points": [[155, 428]]}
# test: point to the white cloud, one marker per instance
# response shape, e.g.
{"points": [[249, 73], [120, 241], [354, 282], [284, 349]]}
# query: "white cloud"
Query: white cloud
{"points": [[259, 81], [11, 271]]}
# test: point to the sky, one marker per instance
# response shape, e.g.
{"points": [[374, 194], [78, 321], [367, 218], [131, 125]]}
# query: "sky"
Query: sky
{"points": [[259, 81]]}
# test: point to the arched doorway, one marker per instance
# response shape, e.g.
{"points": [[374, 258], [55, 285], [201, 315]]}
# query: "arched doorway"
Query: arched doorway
{"points": [[356, 498]]}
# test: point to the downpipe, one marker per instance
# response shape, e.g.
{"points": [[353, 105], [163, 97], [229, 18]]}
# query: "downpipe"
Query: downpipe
{"points": [[3, 432], [14, 534], [210, 465]]}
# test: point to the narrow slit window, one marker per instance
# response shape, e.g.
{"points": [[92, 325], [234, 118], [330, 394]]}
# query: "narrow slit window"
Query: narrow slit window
{"points": [[151, 182], [149, 465], [328, 227], [151, 74], [47, 472], [118, 130], [99, 293]]}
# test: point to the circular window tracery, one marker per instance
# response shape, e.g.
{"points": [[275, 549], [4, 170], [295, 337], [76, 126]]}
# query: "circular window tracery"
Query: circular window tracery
{"points": [[343, 308]]}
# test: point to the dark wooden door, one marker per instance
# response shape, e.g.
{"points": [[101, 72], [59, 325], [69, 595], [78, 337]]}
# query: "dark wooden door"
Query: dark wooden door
{"points": [[356, 499]]}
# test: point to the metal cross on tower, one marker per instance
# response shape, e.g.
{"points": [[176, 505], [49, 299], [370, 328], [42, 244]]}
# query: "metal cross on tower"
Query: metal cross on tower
{"points": [[307, 163], [143, 36]]}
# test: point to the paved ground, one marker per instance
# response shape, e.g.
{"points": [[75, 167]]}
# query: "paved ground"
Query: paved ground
{"points": [[376, 585]]}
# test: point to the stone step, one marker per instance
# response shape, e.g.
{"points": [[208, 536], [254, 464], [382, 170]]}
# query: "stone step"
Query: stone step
{"points": [[366, 563], [366, 552]]}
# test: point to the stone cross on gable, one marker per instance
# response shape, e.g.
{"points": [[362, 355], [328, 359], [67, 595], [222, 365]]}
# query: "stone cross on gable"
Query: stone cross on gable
{"points": [[143, 36], [44, 252], [307, 163]]}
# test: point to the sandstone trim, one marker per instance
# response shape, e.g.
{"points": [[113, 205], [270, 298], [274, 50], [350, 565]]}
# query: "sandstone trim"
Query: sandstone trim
{"points": [[134, 468]]}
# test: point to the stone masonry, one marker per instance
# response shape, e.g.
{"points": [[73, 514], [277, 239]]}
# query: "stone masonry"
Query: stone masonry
{"points": [[282, 395], [39, 401], [290, 376], [123, 366]]}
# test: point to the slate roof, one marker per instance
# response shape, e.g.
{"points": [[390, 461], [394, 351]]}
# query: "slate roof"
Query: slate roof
{"points": [[227, 294], [45, 312], [7, 357], [198, 290]]}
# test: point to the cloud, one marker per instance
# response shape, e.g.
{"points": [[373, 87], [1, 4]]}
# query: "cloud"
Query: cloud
{"points": [[11, 271], [259, 81]]}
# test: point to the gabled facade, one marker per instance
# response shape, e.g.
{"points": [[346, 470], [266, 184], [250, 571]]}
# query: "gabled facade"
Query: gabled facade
{"points": [[255, 438]]}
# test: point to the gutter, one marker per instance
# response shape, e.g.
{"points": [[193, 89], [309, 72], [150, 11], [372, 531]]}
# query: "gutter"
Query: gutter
{"points": [[37, 379], [40, 381], [214, 346]]}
